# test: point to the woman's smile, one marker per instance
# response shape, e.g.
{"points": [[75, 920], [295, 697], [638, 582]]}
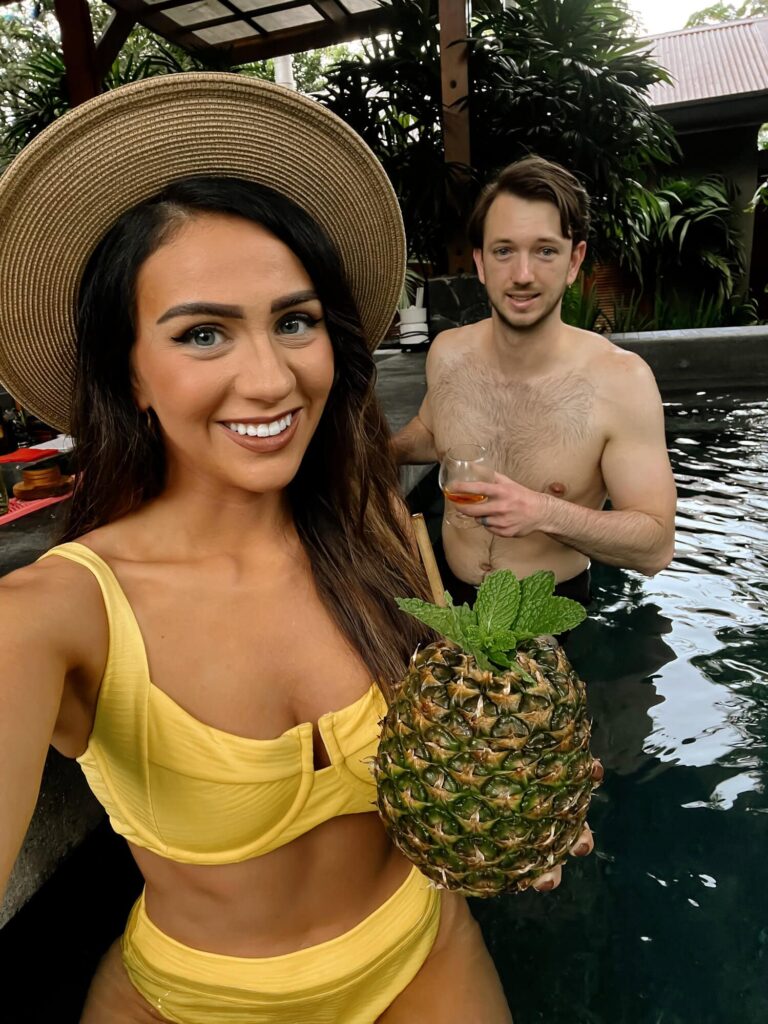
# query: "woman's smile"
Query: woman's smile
{"points": [[264, 435]]}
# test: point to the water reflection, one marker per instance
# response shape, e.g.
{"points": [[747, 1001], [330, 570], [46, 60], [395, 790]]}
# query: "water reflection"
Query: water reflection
{"points": [[668, 924]]}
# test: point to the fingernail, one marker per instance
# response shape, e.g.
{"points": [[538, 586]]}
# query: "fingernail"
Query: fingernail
{"points": [[581, 849]]}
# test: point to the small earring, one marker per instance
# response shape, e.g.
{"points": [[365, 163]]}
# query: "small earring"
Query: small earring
{"points": [[150, 423]]}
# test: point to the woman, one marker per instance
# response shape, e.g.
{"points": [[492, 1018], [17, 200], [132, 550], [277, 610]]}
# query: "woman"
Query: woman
{"points": [[233, 554]]}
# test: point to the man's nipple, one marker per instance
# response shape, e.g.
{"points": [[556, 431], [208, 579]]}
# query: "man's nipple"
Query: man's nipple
{"points": [[557, 489]]}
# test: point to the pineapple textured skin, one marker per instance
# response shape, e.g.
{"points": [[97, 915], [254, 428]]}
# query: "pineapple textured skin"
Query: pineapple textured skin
{"points": [[484, 778]]}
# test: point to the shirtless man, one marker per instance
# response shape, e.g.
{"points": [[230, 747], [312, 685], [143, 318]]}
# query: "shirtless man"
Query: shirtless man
{"points": [[568, 418]]}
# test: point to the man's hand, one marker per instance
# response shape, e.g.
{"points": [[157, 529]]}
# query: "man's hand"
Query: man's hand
{"points": [[584, 845], [510, 510]]}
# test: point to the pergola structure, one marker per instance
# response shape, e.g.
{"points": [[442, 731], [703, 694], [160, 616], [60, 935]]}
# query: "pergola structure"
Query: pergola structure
{"points": [[240, 31]]}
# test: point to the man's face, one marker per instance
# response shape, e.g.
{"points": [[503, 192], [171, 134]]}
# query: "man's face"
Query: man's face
{"points": [[525, 263]]}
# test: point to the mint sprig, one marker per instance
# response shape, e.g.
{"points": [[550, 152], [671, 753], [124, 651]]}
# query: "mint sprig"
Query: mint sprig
{"points": [[506, 612]]}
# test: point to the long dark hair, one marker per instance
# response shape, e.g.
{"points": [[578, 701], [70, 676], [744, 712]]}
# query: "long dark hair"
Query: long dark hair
{"points": [[344, 496]]}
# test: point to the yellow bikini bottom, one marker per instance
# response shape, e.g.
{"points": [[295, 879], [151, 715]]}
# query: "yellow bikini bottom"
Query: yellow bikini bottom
{"points": [[351, 979]]}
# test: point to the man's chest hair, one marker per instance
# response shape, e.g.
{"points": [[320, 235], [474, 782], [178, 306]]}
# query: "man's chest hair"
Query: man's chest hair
{"points": [[524, 424]]}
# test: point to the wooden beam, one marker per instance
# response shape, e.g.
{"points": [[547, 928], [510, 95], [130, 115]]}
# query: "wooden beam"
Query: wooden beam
{"points": [[311, 36], [78, 49], [454, 30], [115, 33]]}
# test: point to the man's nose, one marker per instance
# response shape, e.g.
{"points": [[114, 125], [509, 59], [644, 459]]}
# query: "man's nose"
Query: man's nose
{"points": [[522, 270]]}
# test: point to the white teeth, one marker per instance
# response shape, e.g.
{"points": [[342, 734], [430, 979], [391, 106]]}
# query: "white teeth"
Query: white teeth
{"points": [[262, 429]]}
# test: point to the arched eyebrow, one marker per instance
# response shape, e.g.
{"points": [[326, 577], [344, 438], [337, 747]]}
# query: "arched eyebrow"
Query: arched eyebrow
{"points": [[295, 299], [234, 312], [203, 309]]}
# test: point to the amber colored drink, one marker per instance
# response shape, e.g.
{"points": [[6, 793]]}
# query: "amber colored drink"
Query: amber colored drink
{"points": [[463, 498]]}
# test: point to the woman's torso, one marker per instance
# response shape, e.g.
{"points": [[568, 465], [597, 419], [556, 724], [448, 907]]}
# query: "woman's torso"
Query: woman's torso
{"points": [[249, 650]]}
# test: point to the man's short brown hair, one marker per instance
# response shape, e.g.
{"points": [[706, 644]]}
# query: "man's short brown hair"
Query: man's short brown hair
{"points": [[536, 178]]}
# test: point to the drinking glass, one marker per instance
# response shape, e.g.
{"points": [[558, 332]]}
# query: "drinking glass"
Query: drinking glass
{"points": [[465, 463]]}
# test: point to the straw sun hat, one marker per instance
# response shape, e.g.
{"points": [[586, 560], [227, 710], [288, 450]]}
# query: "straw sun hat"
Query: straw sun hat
{"points": [[69, 185]]}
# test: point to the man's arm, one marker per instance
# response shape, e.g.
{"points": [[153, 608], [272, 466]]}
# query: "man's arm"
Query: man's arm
{"points": [[415, 443], [638, 532]]}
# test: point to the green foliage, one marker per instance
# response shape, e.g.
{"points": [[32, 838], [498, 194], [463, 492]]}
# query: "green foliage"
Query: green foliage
{"points": [[720, 12], [581, 307], [760, 198], [506, 612], [539, 73], [32, 79], [675, 312], [689, 244]]}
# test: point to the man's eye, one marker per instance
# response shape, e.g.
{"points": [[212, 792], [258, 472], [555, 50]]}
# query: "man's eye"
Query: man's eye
{"points": [[200, 337], [296, 324], [549, 252]]}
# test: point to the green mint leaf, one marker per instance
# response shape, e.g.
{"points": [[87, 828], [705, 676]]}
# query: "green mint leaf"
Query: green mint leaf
{"points": [[442, 620], [475, 636], [500, 658], [542, 613], [464, 617], [556, 616], [481, 659], [498, 600], [501, 640]]}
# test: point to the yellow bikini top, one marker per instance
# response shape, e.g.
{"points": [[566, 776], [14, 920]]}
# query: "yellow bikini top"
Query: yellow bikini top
{"points": [[198, 795]]}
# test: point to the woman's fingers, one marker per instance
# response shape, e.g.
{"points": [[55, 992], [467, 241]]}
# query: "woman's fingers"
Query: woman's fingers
{"points": [[597, 770]]}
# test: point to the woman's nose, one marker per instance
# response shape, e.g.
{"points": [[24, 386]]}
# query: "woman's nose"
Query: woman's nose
{"points": [[263, 373]]}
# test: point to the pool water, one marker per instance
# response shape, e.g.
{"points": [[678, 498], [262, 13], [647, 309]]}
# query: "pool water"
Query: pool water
{"points": [[668, 922]]}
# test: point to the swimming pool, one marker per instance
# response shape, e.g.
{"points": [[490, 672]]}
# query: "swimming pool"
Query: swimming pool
{"points": [[668, 922]]}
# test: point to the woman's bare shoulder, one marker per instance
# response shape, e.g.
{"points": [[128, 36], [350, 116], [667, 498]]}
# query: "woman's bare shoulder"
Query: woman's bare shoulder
{"points": [[53, 601]]}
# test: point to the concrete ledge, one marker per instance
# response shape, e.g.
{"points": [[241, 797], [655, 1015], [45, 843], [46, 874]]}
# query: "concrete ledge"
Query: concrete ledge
{"points": [[736, 356]]}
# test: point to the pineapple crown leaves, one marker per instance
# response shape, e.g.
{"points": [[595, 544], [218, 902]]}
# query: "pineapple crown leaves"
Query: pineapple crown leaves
{"points": [[506, 612]]}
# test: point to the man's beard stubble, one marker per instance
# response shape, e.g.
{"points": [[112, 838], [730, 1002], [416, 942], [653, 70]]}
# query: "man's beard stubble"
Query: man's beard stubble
{"points": [[524, 328]]}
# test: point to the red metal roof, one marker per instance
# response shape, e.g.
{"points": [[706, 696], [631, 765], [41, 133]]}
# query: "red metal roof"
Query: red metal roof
{"points": [[711, 62]]}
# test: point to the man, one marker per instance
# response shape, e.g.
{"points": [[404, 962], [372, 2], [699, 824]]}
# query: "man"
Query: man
{"points": [[568, 418]]}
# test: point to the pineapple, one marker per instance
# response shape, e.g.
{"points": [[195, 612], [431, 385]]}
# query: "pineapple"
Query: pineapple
{"points": [[484, 773]]}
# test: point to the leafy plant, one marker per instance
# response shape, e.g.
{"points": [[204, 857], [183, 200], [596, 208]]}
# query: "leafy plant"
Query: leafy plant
{"points": [[563, 78], [720, 12], [581, 306], [507, 611], [673, 312]]}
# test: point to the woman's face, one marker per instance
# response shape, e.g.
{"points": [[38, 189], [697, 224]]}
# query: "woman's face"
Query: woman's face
{"points": [[232, 354]]}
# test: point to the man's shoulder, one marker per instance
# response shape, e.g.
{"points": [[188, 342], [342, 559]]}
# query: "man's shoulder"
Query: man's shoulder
{"points": [[458, 340], [608, 366]]}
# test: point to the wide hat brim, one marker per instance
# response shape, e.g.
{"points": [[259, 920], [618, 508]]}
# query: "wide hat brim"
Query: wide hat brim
{"points": [[71, 183]]}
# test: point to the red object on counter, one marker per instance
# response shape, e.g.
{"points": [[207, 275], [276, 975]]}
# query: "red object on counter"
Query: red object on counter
{"points": [[17, 509], [29, 455]]}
